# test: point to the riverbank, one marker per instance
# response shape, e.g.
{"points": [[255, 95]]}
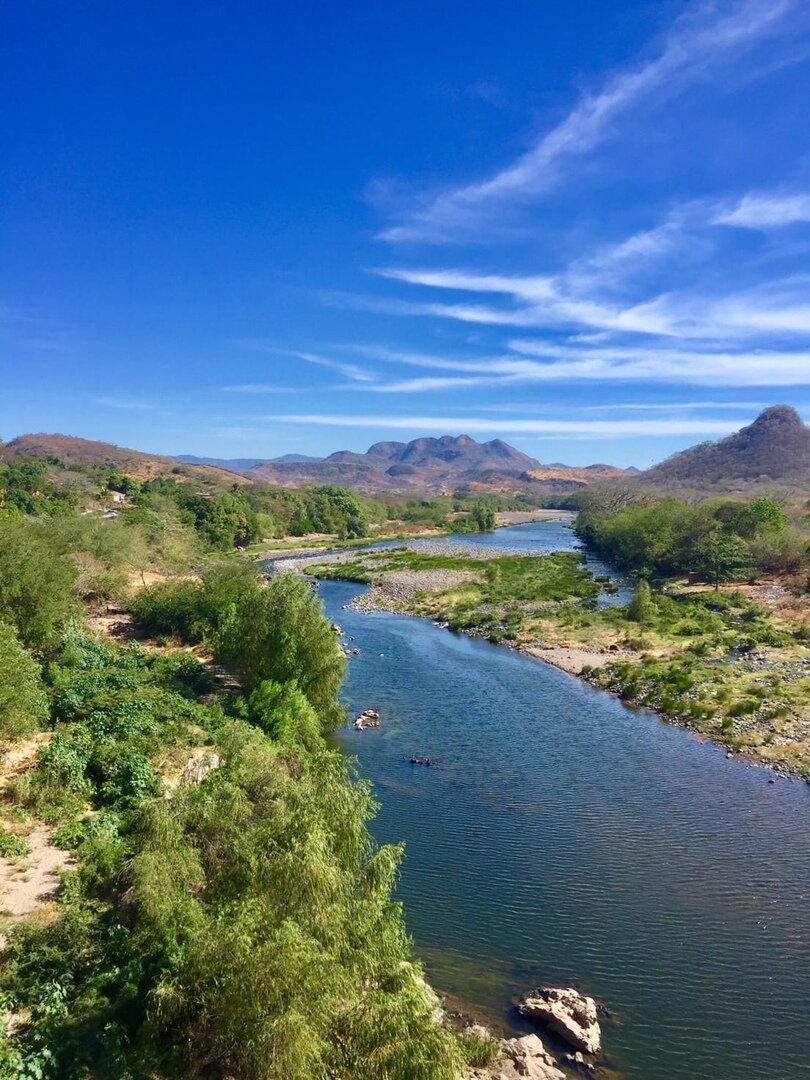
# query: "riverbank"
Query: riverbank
{"points": [[315, 543], [564, 839], [715, 662]]}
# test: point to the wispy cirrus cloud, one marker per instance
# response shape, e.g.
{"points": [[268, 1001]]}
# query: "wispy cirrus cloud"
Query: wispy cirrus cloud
{"points": [[545, 362], [595, 429], [703, 38], [349, 371], [574, 300], [767, 210]]}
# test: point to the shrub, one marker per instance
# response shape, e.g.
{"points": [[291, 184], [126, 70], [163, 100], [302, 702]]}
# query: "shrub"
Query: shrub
{"points": [[279, 633], [36, 582], [23, 705], [12, 846]]}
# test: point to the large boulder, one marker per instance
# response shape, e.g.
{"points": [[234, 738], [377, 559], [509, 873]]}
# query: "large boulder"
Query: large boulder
{"points": [[565, 1013], [520, 1059]]}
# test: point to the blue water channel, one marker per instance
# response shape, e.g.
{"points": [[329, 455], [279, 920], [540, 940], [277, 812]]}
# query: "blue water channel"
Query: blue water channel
{"points": [[566, 839]]}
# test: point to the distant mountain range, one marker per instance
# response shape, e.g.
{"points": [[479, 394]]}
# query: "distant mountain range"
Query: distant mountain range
{"points": [[439, 465], [242, 464], [773, 451]]}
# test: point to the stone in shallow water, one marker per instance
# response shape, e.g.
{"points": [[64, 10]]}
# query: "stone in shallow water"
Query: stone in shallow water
{"points": [[521, 1059], [566, 1013]]}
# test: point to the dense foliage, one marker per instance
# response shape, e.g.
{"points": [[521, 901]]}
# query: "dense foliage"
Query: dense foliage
{"points": [[719, 540], [36, 580], [23, 705], [238, 925]]}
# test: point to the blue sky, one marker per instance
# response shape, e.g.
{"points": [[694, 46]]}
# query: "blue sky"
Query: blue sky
{"points": [[244, 229]]}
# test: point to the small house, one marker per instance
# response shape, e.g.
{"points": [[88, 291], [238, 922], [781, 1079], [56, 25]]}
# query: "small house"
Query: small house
{"points": [[118, 497]]}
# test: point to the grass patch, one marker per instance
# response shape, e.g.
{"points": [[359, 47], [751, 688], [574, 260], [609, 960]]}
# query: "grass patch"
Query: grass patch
{"points": [[13, 846]]}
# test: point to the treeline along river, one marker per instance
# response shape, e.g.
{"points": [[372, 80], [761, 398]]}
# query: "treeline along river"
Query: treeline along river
{"points": [[564, 838]]}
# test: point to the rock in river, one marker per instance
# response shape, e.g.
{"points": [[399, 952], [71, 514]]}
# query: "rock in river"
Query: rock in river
{"points": [[521, 1059], [565, 1013]]}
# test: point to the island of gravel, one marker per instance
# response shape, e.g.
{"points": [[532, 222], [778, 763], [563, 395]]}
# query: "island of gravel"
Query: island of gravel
{"points": [[731, 665]]}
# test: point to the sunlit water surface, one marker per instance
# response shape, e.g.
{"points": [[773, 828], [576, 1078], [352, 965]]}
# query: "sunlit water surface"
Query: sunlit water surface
{"points": [[564, 838]]}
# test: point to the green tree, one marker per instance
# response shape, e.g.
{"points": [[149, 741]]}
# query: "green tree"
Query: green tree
{"points": [[23, 705], [36, 581], [721, 558], [642, 607], [280, 633], [759, 516], [484, 517], [265, 911]]}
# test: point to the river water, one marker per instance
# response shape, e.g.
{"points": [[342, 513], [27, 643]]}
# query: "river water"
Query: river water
{"points": [[566, 839]]}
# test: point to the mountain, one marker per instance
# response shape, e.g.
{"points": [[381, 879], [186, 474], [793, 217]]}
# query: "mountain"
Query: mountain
{"points": [[435, 465], [772, 451], [241, 465], [140, 466], [296, 457]]}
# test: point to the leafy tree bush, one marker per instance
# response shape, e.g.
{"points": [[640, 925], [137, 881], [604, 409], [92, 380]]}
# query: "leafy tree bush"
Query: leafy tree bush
{"points": [[280, 633], [284, 967], [172, 607], [23, 704], [665, 538], [36, 581], [721, 558], [642, 607]]}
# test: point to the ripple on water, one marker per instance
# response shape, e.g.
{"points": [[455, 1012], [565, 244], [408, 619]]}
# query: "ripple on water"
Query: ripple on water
{"points": [[566, 838]]}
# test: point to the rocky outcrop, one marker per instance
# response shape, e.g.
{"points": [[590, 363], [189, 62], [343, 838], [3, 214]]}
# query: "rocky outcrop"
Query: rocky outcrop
{"points": [[567, 1014], [199, 766], [521, 1059]]}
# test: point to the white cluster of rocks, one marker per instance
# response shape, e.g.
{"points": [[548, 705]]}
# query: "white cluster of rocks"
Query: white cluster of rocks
{"points": [[566, 1013], [521, 1059], [368, 718], [199, 765], [563, 1012]]}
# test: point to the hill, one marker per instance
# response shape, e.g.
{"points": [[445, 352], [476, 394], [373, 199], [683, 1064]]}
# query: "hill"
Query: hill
{"points": [[73, 451], [772, 451], [435, 465]]}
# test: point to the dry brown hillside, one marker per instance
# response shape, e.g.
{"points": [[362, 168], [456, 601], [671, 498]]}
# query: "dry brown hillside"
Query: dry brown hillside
{"points": [[74, 451], [771, 454]]}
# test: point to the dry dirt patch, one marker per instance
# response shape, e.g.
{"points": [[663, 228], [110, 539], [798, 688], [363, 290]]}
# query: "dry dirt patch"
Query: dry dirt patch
{"points": [[28, 882]]}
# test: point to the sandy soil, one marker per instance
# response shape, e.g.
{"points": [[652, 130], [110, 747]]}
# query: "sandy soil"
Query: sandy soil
{"points": [[21, 757], [573, 659], [523, 517], [32, 880]]}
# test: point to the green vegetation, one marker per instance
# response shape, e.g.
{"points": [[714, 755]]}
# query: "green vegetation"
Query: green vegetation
{"points": [[12, 845], [23, 705], [233, 921], [719, 540], [497, 597], [36, 581]]}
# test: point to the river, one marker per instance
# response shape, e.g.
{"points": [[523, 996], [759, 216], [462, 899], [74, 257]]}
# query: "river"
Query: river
{"points": [[565, 838]]}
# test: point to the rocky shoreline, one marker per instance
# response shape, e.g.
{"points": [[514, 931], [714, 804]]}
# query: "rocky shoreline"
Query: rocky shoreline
{"points": [[563, 1013], [395, 590]]}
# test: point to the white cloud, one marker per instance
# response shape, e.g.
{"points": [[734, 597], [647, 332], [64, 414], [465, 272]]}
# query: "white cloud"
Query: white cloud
{"points": [[597, 429], [545, 361], [349, 371], [765, 211], [673, 406], [697, 41]]}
